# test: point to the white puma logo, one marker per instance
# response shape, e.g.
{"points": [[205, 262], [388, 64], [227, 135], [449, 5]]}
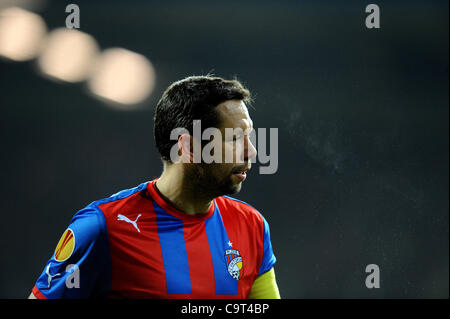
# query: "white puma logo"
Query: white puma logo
{"points": [[50, 277], [126, 219]]}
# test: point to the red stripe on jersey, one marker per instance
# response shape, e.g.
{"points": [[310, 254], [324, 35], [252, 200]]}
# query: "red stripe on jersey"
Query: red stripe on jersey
{"points": [[136, 257], [199, 258]]}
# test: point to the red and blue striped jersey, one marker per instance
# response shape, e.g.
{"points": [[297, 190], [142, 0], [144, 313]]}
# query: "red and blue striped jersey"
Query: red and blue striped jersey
{"points": [[136, 245]]}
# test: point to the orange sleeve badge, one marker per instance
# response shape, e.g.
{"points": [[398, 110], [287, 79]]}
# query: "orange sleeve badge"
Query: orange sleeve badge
{"points": [[66, 246]]}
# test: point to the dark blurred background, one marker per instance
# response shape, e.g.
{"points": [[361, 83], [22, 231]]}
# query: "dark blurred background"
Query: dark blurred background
{"points": [[363, 125]]}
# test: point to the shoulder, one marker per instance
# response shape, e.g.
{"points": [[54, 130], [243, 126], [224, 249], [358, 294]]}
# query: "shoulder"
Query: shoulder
{"points": [[91, 220], [125, 197], [239, 209]]}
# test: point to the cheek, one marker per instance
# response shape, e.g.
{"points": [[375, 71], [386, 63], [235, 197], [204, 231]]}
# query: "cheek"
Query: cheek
{"points": [[228, 152], [221, 170]]}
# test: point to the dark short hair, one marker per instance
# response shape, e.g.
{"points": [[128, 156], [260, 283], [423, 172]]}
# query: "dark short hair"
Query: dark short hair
{"points": [[193, 98]]}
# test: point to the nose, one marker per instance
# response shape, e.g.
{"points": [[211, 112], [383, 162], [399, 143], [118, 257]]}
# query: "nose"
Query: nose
{"points": [[249, 149]]}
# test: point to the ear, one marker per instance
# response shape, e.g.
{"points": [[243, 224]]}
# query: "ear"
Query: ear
{"points": [[185, 147]]}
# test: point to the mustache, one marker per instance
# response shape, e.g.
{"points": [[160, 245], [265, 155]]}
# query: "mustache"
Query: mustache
{"points": [[241, 168]]}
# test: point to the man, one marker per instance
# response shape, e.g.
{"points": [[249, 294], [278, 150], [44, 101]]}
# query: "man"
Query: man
{"points": [[177, 236]]}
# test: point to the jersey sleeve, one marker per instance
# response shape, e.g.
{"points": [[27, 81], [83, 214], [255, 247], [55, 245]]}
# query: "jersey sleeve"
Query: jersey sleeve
{"points": [[81, 264], [265, 287], [269, 258]]}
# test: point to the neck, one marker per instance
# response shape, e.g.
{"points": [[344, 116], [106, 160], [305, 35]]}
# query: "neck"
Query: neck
{"points": [[180, 192]]}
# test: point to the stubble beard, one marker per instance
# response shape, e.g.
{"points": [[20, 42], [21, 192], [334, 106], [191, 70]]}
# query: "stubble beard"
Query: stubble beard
{"points": [[201, 176]]}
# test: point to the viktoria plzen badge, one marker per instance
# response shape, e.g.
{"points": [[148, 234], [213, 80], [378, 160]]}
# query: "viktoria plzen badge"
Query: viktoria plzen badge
{"points": [[234, 262]]}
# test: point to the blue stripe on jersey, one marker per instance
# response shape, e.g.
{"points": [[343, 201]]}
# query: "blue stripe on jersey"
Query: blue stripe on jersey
{"points": [[218, 241], [173, 248], [269, 258]]}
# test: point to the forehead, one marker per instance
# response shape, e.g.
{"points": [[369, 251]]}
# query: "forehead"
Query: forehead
{"points": [[233, 114]]}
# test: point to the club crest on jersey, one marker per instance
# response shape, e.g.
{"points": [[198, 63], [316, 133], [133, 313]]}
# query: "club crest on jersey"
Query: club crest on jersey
{"points": [[234, 263], [65, 246]]}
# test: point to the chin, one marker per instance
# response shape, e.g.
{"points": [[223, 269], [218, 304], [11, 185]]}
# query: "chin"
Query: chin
{"points": [[228, 187], [234, 189]]}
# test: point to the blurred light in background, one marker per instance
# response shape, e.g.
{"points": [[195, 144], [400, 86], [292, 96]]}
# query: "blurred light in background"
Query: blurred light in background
{"points": [[123, 77], [34, 5], [21, 34], [68, 55], [117, 76]]}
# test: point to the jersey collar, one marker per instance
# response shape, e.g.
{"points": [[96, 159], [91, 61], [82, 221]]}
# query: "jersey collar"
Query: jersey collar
{"points": [[154, 192]]}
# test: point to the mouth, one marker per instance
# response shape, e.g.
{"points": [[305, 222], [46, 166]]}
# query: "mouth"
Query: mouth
{"points": [[241, 173]]}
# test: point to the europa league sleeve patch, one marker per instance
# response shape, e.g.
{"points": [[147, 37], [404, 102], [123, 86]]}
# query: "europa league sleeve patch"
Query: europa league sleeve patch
{"points": [[66, 246]]}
